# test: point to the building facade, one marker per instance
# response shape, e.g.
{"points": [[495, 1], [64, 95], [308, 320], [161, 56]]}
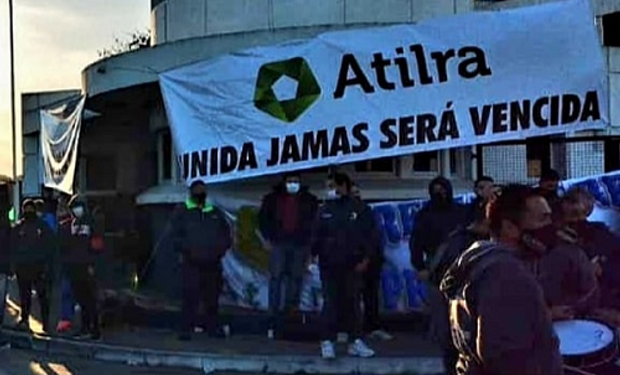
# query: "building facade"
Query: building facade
{"points": [[127, 158]]}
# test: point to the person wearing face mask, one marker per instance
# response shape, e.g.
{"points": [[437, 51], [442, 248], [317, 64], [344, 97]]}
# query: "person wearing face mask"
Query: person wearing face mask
{"points": [[565, 273], [285, 221], [433, 224], [67, 301], [31, 256], [601, 245], [79, 266], [499, 317], [201, 236], [340, 241], [371, 278]]}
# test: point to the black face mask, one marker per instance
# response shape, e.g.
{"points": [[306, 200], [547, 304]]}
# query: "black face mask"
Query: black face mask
{"points": [[30, 215], [200, 198]]}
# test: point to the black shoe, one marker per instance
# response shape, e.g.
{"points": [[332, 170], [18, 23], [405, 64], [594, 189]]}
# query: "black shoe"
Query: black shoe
{"points": [[184, 337]]}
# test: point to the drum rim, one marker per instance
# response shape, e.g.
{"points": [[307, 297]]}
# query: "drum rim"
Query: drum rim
{"points": [[606, 354]]}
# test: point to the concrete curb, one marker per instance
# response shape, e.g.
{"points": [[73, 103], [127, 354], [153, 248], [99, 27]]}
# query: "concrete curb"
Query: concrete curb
{"points": [[209, 363]]}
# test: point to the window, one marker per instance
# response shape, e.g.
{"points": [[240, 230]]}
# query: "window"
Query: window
{"points": [[382, 165], [538, 153], [612, 155], [426, 162], [101, 172], [167, 165], [454, 162]]}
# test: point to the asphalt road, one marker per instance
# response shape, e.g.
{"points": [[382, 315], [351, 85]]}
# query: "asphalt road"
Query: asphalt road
{"points": [[17, 362]]}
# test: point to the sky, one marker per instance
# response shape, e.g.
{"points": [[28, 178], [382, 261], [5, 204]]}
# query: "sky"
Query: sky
{"points": [[54, 41]]}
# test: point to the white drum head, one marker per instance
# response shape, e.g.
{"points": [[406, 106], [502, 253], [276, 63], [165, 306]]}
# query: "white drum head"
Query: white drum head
{"points": [[581, 337]]}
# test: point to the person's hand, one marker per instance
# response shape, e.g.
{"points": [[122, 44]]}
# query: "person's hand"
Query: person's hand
{"points": [[597, 266], [423, 275], [562, 313], [268, 246], [363, 266]]}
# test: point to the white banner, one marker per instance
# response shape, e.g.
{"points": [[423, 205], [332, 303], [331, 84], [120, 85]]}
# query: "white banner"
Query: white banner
{"points": [[245, 267], [60, 135], [353, 95]]}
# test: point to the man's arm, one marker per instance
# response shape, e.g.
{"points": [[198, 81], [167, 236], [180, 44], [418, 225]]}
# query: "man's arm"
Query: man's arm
{"points": [[178, 229], [511, 315], [266, 217], [225, 234], [417, 242]]}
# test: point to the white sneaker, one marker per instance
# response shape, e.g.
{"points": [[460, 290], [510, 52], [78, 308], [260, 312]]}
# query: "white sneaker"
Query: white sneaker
{"points": [[360, 349], [342, 338], [327, 350], [381, 335]]}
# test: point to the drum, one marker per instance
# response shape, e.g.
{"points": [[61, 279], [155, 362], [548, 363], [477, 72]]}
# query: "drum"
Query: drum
{"points": [[586, 344]]}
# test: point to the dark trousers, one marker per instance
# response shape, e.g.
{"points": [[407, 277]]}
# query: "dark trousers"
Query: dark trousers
{"points": [[371, 281], [84, 285], [286, 267], [29, 277], [341, 307], [201, 282]]}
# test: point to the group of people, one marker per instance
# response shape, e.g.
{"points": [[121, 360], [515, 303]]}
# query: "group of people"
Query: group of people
{"points": [[500, 271], [339, 234], [504, 269], [54, 243]]}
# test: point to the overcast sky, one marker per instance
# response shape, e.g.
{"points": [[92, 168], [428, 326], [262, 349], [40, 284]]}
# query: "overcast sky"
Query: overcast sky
{"points": [[54, 41]]}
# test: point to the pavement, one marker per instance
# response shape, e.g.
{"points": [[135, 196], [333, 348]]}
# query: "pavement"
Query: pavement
{"points": [[246, 351]]}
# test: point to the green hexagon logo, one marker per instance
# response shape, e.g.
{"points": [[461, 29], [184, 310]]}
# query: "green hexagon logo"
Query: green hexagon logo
{"points": [[308, 89]]}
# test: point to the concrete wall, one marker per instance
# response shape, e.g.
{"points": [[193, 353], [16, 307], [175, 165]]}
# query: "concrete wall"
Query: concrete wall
{"points": [[174, 20]]}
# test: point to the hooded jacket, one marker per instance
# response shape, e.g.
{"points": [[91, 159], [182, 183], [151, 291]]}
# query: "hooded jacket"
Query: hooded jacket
{"points": [[499, 318], [76, 234], [343, 234], [433, 224], [200, 235], [271, 219], [33, 242]]}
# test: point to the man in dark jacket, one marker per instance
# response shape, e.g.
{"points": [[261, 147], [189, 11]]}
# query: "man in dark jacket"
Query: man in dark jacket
{"points": [[548, 186], [485, 191], [434, 223], [31, 256], [201, 236], [498, 314], [456, 244], [371, 279], [79, 265], [285, 221], [340, 242]]}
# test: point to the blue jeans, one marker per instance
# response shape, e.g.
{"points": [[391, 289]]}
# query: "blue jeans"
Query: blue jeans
{"points": [[67, 302], [287, 268]]}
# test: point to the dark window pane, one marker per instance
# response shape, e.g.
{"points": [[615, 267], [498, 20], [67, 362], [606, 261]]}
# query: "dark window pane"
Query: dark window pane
{"points": [[426, 161], [166, 156], [376, 165], [101, 171]]}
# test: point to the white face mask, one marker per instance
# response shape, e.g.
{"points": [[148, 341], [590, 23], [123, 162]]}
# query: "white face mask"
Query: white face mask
{"points": [[292, 187], [332, 194], [78, 211]]}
